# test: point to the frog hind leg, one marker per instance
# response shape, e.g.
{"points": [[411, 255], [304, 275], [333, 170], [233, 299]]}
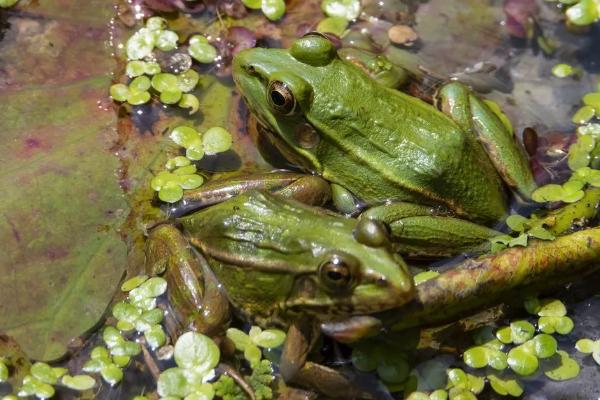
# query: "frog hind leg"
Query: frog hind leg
{"points": [[193, 290], [475, 116], [333, 383], [425, 231]]}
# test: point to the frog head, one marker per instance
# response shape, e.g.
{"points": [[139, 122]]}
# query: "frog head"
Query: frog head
{"points": [[278, 257], [283, 87]]}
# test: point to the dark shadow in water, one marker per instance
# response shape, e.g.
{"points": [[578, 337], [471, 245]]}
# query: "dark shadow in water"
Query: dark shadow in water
{"points": [[589, 55], [222, 162]]}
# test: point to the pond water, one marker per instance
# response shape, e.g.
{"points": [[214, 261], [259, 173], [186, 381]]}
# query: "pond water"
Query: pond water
{"points": [[78, 166]]}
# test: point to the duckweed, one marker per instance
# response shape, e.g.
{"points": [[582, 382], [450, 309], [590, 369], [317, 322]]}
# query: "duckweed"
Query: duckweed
{"points": [[563, 70], [134, 282], [585, 12], [335, 25], [188, 80], [505, 387], [156, 23], [391, 364], [138, 98], [119, 92], [155, 336], [78, 382], [273, 9], [583, 115], [561, 325], [165, 82], [521, 361], [201, 50], [167, 40], [189, 101], [252, 4], [486, 355], [568, 368], [170, 96], [588, 346], [141, 44], [518, 332], [459, 379], [347, 9], [216, 140], [249, 343]]}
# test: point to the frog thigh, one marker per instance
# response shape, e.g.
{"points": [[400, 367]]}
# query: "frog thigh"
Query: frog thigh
{"points": [[420, 230], [473, 115]]}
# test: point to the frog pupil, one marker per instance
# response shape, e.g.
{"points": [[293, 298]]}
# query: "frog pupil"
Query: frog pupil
{"points": [[278, 98]]}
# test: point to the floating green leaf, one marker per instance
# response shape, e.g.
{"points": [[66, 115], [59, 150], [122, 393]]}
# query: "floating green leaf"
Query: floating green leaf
{"points": [[78, 382], [563, 70], [568, 368], [201, 50]]}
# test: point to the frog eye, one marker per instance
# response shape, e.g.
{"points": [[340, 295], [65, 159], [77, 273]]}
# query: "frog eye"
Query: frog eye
{"points": [[281, 98], [337, 272]]}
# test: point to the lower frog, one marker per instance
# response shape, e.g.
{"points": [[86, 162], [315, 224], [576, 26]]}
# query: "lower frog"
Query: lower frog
{"points": [[278, 262], [437, 178]]}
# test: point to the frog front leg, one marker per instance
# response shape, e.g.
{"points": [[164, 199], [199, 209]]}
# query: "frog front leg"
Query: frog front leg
{"points": [[334, 383], [418, 230], [477, 118], [197, 301]]}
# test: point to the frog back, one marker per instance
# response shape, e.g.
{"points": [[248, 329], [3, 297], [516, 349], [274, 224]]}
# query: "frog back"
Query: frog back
{"points": [[382, 144]]}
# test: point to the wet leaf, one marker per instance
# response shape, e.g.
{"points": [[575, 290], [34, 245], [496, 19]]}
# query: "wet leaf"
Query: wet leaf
{"points": [[62, 263]]}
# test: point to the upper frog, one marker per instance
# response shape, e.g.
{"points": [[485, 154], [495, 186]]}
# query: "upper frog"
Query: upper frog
{"points": [[330, 117]]}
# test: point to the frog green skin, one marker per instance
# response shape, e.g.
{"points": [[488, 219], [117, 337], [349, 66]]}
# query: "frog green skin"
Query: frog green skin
{"points": [[440, 169], [278, 262]]}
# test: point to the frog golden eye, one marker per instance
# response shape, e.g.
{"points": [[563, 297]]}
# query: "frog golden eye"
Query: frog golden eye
{"points": [[337, 272], [281, 98]]}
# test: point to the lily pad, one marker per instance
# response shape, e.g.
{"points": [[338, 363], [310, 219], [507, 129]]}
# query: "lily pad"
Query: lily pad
{"points": [[63, 257]]}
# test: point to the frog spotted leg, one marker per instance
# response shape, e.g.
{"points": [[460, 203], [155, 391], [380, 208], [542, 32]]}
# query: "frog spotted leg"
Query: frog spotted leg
{"points": [[424, 231], [475, 116], [194, 293]]}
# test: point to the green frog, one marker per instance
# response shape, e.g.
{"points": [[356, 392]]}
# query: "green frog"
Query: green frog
{"points": [[438, 178], [279, 262]]}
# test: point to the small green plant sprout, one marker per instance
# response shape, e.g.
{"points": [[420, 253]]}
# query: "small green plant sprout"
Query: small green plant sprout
{"points": [[589, 346]]}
